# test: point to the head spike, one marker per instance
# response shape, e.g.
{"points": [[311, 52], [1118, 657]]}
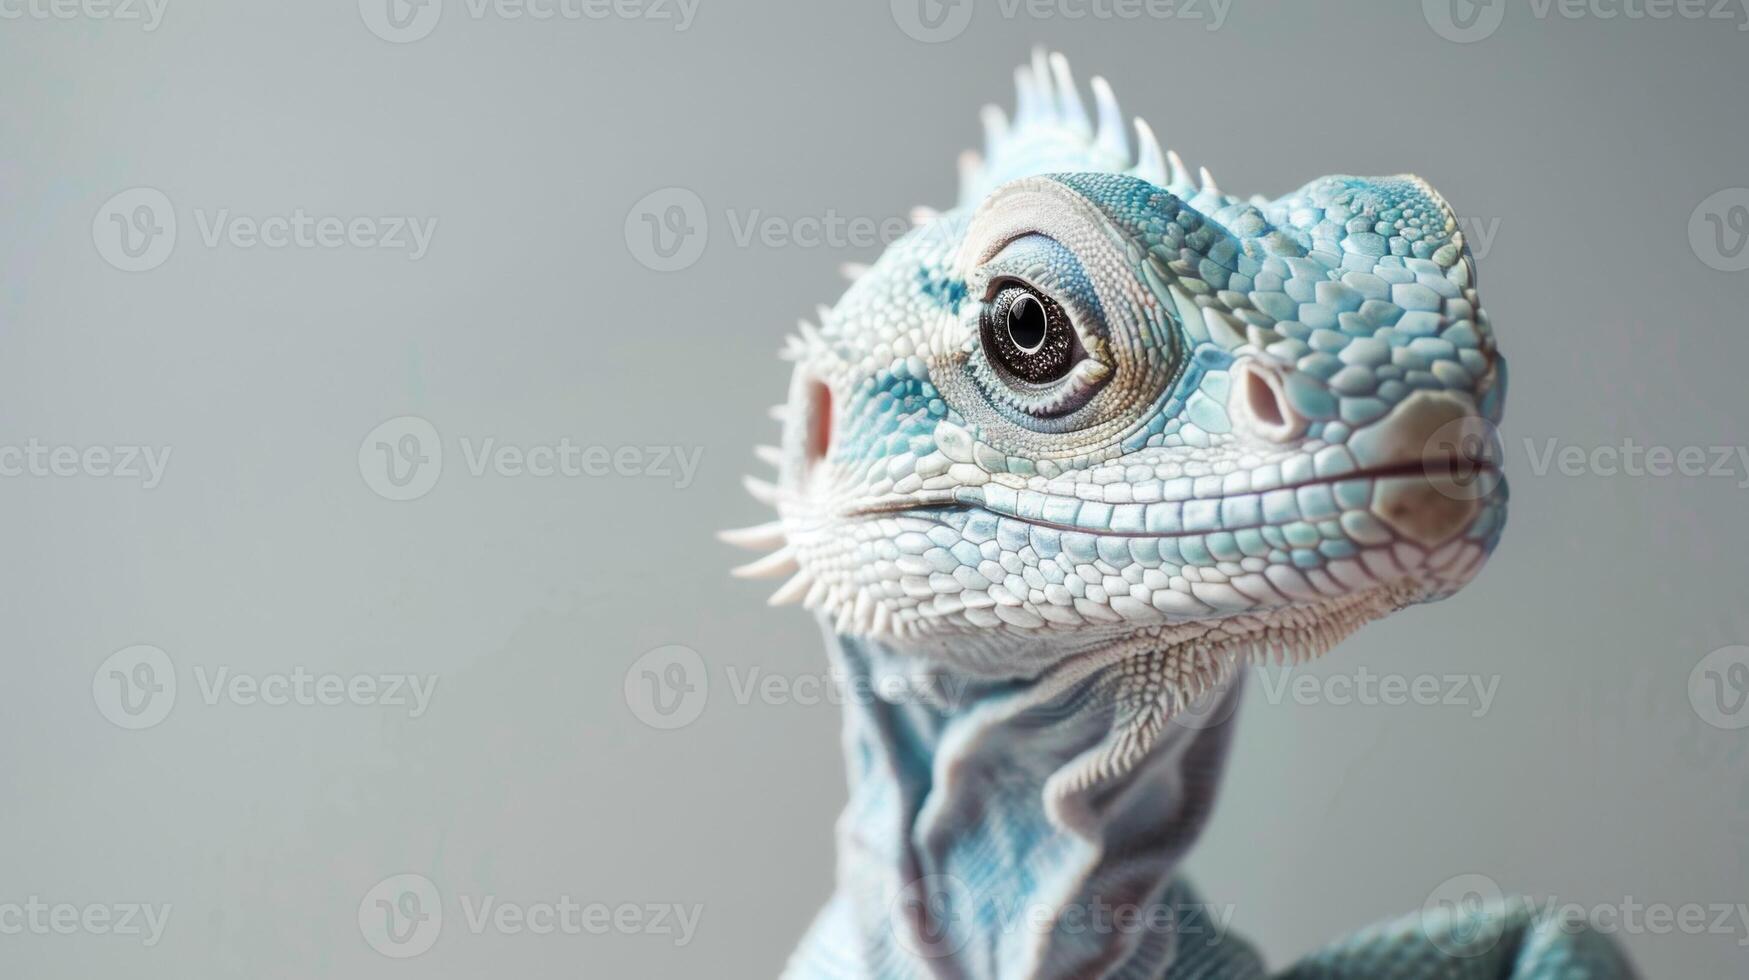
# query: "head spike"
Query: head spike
{"points": [[1026, 97], [853, 270], [1041, 79], [921, 215], [1180, 175], [1208, 183], [995, 127], [1069, 105], [769, 454], [1149, 166], [1111, 136], [971, 167]]}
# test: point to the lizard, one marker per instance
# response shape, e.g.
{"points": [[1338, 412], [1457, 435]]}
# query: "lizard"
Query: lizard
{"points": [[1056, 465]]}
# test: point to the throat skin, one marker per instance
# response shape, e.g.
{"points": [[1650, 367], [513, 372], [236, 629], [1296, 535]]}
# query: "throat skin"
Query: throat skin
{"points": [[974, 842]]}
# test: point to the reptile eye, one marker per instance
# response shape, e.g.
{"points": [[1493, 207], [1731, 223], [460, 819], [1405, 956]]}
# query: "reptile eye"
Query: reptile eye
{"points": [[1028, 335]]}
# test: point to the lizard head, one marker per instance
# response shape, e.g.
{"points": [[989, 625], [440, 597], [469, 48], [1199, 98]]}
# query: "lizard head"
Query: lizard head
{"points": [[1101, 401]]}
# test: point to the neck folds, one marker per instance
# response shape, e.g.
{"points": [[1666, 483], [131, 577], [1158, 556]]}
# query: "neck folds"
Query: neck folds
{"points": [[1016, 828]]}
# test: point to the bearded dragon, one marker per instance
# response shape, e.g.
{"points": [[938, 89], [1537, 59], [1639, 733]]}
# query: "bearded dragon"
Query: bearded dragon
{"points": [[1052, 469]]}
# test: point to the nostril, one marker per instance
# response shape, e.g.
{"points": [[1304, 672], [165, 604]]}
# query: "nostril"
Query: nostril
{"points": [[1259, 403], [819, 435], [1265, 403]]}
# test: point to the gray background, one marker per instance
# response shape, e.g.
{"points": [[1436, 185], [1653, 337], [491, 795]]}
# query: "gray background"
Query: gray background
{"points": [[1586, 143]]}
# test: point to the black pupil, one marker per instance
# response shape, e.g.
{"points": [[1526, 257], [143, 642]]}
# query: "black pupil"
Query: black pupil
{"points": [[1027, 323]]}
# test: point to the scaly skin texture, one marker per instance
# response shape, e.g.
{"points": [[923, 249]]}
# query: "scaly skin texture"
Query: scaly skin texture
{"points": [[1273, 428]]}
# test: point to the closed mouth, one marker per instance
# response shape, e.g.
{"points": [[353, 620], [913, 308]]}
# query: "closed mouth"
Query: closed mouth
{"points": [[1029, 506]]}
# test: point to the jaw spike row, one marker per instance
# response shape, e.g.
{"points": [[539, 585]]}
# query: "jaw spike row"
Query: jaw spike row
{"points": [[816, 594], [778, 413], [881, 621], [762, 491], [775, 565], [760, 537], [921, 215], [793, 590], [769, 454], [853, 270]]}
